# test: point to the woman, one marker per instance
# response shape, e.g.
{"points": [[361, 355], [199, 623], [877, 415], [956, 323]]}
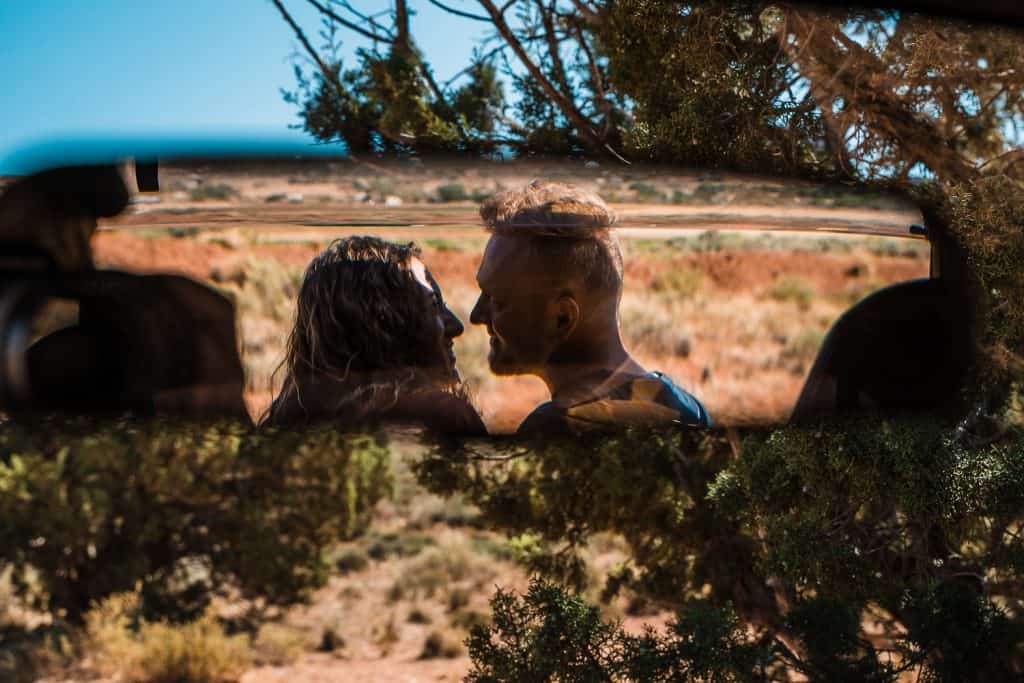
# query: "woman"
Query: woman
{"points": [[372, 343]]}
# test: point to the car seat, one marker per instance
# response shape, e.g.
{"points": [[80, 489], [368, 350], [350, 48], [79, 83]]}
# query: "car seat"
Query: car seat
{"points": [[903, 349]]}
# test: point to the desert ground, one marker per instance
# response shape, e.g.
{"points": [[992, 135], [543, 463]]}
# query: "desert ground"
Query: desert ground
{"points": [[731, 285]]}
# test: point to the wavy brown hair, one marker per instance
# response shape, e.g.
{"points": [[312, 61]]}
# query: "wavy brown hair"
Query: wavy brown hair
{"points": [[364, 332]]}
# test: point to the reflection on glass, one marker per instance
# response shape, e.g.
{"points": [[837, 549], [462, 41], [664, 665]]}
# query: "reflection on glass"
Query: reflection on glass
{"points": [[729, 283]]}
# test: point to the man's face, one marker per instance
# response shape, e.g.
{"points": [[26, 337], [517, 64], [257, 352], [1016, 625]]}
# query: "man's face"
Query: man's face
{"points": [[515, 305]]}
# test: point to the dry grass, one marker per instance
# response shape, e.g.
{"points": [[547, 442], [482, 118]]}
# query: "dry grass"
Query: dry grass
{"points": [[158, 652], [279, 644]]}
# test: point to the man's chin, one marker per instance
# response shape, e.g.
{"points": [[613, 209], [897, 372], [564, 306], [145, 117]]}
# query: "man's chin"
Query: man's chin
{"points": [[502, 368]]}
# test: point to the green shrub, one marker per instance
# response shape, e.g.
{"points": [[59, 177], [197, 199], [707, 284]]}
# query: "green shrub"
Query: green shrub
{"points": [[442, 244], [351, 560], [646, 192], [439, 567], [388, 545], [454, 192], [705, 193], [94, 506], [792, 288], [678, 282], [798, 532], [219, 191], [441, 645], [467, 619], [184, 231], [492, 546], [549, 635], [457, 599], [331, 640], [453, 511], [418, 616], [396, 593], [803, 347]]}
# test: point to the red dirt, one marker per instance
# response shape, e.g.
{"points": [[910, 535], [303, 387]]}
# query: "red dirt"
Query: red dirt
{"points": [[733, 271], [138, 254]]}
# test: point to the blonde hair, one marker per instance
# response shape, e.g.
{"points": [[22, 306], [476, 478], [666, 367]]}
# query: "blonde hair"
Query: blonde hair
{"points": [[547, 208], [568, 227]]}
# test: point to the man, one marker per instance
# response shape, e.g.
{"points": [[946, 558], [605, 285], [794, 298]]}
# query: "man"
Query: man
{"points": [[550, 286]]}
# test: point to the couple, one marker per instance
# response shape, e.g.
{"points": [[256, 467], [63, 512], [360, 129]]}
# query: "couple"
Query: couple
{"points": [[373, 338]]}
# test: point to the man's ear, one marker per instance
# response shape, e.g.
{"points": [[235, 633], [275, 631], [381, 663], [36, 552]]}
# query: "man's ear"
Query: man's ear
{"points": [[567, 316]]}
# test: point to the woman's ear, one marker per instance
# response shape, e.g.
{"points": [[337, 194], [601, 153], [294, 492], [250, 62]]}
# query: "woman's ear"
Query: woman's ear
{"points": [[567, 316]]}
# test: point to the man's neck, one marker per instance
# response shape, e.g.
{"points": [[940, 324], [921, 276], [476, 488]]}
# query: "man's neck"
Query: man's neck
{"points": [[579, 372]]}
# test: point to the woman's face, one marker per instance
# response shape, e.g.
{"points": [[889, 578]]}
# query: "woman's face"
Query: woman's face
{"points": [[448, 325]]}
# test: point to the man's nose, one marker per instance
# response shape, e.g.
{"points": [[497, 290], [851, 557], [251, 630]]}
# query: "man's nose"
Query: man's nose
{"points": [[479, 314], [452, 325]]}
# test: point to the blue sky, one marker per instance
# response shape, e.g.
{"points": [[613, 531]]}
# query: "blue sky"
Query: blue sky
{"points": [[113, 67]]}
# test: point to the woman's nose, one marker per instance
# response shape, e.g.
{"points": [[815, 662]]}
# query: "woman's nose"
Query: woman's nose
{"points": [[452, 325]]}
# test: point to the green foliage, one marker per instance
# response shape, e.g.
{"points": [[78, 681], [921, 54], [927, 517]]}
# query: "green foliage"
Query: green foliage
{"points": [[678, 283], [792, 288], [961, 635], [95, 506], [548, 635], [440, 644], [646, 192], [835, 650], [709, 83], [387, 545], [799, 533], [452, 193], [351, 560], [418, 616], [215, 191], [986, 219], [553, 494], [385, 104]]}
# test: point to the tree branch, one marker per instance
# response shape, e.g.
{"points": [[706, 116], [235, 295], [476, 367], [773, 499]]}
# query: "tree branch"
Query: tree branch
{"points": [[328, 12], [834, 138], [554, 46], [582, 124], [1004, 162], [855, 76], [324, 70], [600, 92], [402, 40], [458, 12], [588, 13]]}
